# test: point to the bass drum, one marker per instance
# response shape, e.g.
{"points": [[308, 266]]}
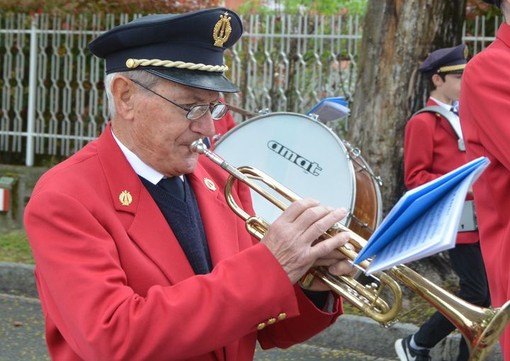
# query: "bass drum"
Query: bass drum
{"points": [[309, 159]]}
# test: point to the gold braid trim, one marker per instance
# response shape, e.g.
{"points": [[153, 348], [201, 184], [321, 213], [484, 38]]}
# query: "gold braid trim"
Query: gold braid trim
{"points": [[445, 69], [134, 63]]}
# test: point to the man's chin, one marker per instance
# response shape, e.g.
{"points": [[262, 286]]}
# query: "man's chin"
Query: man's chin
{"points": [[190, 164]]}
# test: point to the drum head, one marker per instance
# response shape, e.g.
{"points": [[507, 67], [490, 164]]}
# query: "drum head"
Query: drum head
{"points": [[297, 151]]}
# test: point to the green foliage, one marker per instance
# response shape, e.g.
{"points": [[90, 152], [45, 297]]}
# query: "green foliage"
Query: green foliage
{"points": [[103, 6], [476, 8], [315, 7], [481, 19], [355, 7]]}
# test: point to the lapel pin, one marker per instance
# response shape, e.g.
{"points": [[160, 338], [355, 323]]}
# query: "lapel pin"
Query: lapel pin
{"points": [[210, 184], [125, 198]]}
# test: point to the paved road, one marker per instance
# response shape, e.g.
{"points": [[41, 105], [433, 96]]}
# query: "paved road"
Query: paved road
{"points": [[21, 329], [22, 338], [352, 338]]}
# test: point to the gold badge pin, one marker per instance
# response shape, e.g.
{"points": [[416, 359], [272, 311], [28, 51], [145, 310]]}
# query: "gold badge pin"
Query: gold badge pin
{"points": [[125, 198], [222, 30], [210, 184]]}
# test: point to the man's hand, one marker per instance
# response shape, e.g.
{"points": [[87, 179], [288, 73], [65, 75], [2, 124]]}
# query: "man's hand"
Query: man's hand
{"points": [[291, 239]]}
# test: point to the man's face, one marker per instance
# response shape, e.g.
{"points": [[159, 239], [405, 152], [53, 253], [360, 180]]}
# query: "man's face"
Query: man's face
{"points": [[161, 134]]}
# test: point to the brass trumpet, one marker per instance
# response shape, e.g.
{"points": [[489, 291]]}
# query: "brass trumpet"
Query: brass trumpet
{"points": [[481, 327]]}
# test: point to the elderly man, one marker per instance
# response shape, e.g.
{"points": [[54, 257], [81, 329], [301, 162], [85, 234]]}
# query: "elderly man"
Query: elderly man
{"points": [[138, 256]]}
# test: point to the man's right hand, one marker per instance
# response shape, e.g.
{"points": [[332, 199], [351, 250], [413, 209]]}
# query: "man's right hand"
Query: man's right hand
{"points": [[291, 238]]}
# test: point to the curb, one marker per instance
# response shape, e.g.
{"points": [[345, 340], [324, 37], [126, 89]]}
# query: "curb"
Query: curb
{"points": [[348, 332], [17, 279]]}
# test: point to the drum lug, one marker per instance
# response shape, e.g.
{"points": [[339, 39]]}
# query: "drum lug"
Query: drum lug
{"points": [[378, 179], [314, 116], [356, 152]]}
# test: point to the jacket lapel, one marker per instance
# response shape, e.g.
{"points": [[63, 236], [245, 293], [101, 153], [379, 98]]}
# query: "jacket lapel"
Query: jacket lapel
{"points": [[216, 215], [143, 221], [444, 123]]}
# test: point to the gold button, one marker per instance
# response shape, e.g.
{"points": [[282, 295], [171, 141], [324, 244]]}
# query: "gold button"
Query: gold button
{"points": [[282, 316], [261, 326], [271, 321]]}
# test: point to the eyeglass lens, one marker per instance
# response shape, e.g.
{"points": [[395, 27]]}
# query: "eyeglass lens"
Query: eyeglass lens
{"points": [[218, 110]]}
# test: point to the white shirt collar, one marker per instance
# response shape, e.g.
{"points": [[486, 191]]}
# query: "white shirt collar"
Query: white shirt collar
{"points": [[455, 120], [441, 104], [140, 168]]}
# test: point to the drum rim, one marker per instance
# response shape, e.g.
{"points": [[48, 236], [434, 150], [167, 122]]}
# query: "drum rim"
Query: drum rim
{"points": [[299, 115], [376, 182], [337, 139]]}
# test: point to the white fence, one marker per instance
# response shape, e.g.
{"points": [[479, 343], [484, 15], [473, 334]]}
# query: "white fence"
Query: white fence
{"points": [[52, 100]]}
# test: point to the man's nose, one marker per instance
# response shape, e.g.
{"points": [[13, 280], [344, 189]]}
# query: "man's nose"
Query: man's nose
{"points": [[204, 125]]}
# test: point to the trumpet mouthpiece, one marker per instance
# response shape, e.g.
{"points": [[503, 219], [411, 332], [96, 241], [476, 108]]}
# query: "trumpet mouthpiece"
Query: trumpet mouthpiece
{"points": [[198, 146]]}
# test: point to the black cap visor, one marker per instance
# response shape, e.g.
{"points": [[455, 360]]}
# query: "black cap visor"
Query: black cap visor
{"points": [[214, 81]]}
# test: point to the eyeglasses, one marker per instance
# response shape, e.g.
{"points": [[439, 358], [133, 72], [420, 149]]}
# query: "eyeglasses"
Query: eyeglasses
{"points": [[195, 112]]}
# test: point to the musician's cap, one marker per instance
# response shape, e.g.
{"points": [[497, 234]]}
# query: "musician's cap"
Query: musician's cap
{"points": [[185, 48], [445, 61], [493, 2]]}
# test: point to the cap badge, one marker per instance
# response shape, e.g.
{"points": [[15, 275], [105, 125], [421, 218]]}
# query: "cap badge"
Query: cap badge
{"points": [[210, 184], [125, 198], [222, 30]]}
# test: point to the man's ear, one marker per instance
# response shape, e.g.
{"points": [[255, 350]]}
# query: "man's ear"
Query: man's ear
{"points": [[123, 93], [437, 80]]}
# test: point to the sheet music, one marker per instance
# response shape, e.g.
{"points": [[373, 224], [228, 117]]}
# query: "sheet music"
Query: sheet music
{"points": [[424, 221], [330, 109]]}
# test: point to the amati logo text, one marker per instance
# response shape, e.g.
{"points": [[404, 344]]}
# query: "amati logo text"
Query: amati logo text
{"points": [[308, 166]]}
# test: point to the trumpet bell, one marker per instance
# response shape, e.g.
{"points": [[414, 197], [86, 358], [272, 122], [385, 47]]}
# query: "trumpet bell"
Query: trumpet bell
{"points": [[482, 343], [481, 327]]}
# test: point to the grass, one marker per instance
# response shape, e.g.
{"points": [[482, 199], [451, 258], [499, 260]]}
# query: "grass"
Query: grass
{"points": [[14, 247]]}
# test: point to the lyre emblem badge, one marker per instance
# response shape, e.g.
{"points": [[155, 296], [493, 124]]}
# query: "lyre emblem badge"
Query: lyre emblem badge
{"points": [[222, 30], [125, 198]]}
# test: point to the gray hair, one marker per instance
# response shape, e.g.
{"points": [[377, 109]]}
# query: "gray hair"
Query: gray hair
{"points": [[141, 76]]}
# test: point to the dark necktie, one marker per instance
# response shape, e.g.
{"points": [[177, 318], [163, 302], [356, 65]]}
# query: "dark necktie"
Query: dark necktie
{"points": [[184, 218], [455, 110], [173, 185]]}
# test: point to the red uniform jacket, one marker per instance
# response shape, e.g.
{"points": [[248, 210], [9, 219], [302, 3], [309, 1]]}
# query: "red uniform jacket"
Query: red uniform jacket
{"points": [[115, 284], [430, 151], [485, 109]]}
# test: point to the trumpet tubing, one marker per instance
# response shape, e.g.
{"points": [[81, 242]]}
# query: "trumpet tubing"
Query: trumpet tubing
{"points": [[481, 327]]}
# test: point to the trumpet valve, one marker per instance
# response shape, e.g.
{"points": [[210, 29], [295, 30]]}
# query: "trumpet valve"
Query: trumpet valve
{"points": [[306, 281]]}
